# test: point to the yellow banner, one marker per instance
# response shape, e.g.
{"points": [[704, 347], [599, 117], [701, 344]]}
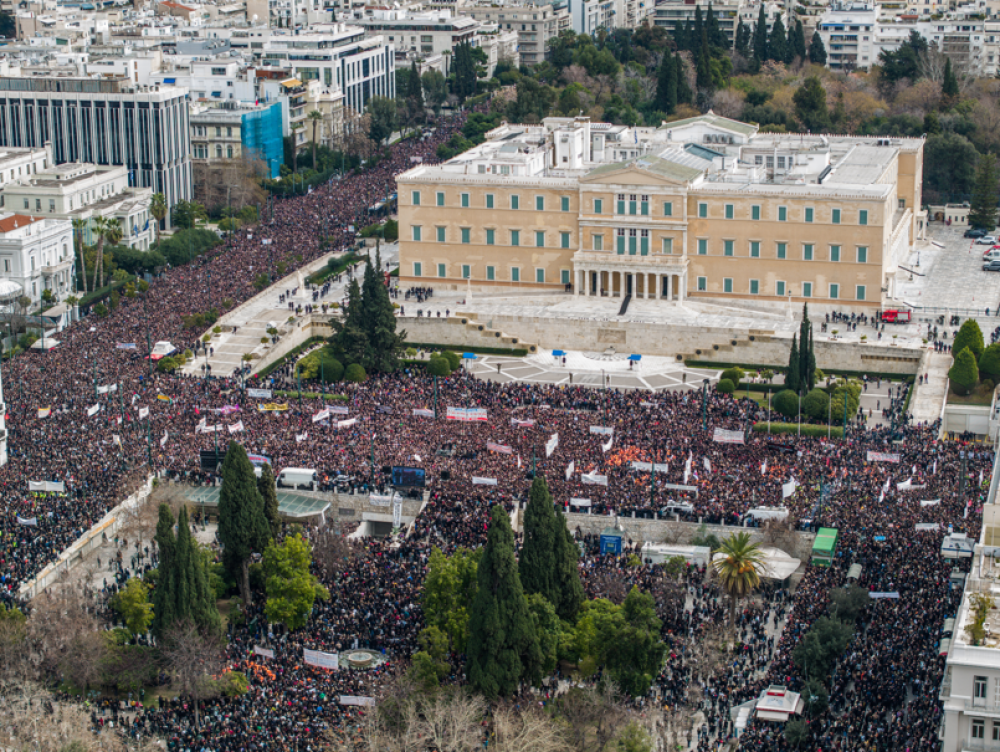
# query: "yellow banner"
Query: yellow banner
{"points": [[269, 407]]}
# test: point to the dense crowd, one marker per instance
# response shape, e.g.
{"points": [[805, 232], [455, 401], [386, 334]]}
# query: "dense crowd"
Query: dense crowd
{"points": [[884, 685]]}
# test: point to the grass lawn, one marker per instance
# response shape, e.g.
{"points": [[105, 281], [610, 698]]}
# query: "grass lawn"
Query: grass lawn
{"points": [[976, 398]]}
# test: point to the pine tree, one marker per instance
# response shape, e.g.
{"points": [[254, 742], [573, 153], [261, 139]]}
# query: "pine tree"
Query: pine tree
{"points": [[760, 36], [269, 493], [792, 372], [243, 528], [384, 344], [570, 588], [983, 207], [817, 51], [666, 85], [537, 563], [949, 85], [777, 44], [163, 595], [349, 338], [502, 644]]}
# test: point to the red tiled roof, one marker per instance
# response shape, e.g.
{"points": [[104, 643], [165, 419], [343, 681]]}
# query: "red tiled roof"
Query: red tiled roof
{"points": [[17, 220]]}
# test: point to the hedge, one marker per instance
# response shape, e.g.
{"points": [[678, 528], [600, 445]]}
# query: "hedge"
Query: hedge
{"points": [[807, 429], [333, 267], [311, 395], [516, 352], [100, 294], [293, 353], [721, 366]]}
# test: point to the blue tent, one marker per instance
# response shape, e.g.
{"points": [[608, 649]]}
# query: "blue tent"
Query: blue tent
{"points": [[558, 353], [469, 356], [635, 357]]}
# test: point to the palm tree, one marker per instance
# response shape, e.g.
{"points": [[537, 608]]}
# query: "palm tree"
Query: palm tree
{"points": [[113, 234], [80, 227], [158, 208], [100, 227], [315, 116], [738, 562], [295, 127]]}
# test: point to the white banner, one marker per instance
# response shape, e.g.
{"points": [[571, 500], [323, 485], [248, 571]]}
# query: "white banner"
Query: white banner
{"points": [[687, 468], [236, 427], [606, 430], [143, 412], [338, 410], [882, 456], [397, 513], [578, 502], [893, 595], [551, 444], [908, 485], [661, 467], [263, 652], [727, 437], [163, 441], [522, 423], [27, 521], [379, 501], [91, 411], [789, 488], [321, 659], [477, 481], [593, 479], [422, 412], [607, 445], [930, 502], [259, 393], [346, 423], [321, 415], [351, 699], [492, 446], [570, 468], [300, 437], [466, 414], [47, 485], [928, 526]]}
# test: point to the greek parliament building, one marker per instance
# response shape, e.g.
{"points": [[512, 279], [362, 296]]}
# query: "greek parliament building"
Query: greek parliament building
{"points": [[106, 121], [702, 208]]}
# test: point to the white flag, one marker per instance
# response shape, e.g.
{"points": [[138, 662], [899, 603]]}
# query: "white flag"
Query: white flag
{"points": [[606, 447], [236, 427], [763, 467], [143, 412], [789, 488], [300, 437], [116, 439], [570, 468], [91, 411], [163, 441], [551, 444], [707, 463]]}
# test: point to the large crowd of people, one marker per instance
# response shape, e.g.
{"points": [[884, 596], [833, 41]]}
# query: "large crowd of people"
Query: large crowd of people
{"points": [[869, 486]]}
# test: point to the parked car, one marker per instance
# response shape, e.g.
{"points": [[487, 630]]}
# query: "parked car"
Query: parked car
{"points": [[986, 240], [993, 265], [974, 233]]}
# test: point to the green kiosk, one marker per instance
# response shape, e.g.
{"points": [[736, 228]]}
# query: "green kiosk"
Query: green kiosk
{"points": [[825, 546]]}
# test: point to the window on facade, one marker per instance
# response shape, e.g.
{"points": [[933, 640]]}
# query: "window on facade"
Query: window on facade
{"points": [[727, 284], [442, 270], [515, 202], [564, 240], [835, 216], [540, 276], [779, 288], [782, 250], [860, 293], [597, 242], [755, 212], [415, 196], [807, 252], [702, 284], [491, 273], [598, 206], [754, 249], [809, 214], [834, 291], [644, 205], [668, 209], [540, 239], [754, 287], [466, 271], [489, 200], [807, 289], [440, 198], [564, 276], [564, 203], [52, 204], [465, 200], [27, 204], [862, 254], [782, 213], [668, 245], [727, 247], [466, 232], [702, 210], [515, 274], [539, 203], [440, 234], [620, 209], [417, 268], [515, 237], [620, 241], [730, 211], [978, 730], [863, 217], [490, 237], [834, 253], [416, 233]]}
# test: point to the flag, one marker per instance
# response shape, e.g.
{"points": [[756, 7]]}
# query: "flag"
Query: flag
{"points": [[200, 427], [570, 468], [163, 441], [493, 446], [143, 412], [300, 437], [552, 444], [707, 463], [321, 415], [789, 488], [519, 461], [44, 412], [607, 447], [163, 398], [116, 439], [92, 411], [236, 427], [763, 467]]}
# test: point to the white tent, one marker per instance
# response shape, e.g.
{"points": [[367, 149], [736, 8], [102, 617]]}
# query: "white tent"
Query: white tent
{"points": [[777, 565]]}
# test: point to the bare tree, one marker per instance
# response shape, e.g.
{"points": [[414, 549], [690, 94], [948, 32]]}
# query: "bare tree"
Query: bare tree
{"points": [[728, 103], [527, 729], [594, 716], [608, 584], [193, 657], [331, 551], [449, 720], [931, 64]]}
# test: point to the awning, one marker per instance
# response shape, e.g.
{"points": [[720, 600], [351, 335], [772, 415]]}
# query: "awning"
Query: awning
{"points": [[291, 83], [469, 356], [170, 80], [635, 357], [854, 572], [558, 353]]}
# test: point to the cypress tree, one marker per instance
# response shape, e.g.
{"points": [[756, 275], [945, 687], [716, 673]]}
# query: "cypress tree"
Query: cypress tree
{"points": [[684, 94], [817, 50], [949, 85], [384, 344], [269, 493], [502, 646], [804, 328], [743, 39], [716, 36], [699, 29], [983, 207], [811, 362], [567, 557], [537, 564], [792, 372], [163, 593], [760, 36], [680, 36], [200, 606], [183, 566], [666, 85], [777, 43], [704, 78], [416, 91], [800, 41], [243, 528]]}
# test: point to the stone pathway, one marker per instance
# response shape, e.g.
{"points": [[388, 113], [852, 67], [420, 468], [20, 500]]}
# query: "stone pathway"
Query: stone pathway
{"points": [[927, 400]]}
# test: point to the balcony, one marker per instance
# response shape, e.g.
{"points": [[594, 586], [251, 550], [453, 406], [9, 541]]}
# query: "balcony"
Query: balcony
{"points": [[51, 269], [983, 708], [981, 745]]}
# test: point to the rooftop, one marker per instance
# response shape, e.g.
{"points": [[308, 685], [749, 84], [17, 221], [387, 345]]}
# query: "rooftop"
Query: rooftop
{"points": [[14, 221]]}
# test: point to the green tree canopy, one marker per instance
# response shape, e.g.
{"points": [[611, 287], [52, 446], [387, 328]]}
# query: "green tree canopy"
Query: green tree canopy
{"points": [[816, 403], [989, 363], [983, 207], [291, 588], [971, 336], [537, 561], [449, 588], [964, 373], [243, 527], [267, 487], [786, 402], [133, 606]]}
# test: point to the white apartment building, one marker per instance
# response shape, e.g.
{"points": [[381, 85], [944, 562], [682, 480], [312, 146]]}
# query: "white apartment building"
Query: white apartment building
{"points": [[498, 45], [37, 253], [420, 35], [215, 80], [339, 56], [535, 24], [590, 15], [848, 30], [19, 162], [85, 191], [670, 13]]}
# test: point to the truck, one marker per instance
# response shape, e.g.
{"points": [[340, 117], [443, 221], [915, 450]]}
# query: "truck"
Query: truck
{"points": [[825, 546], [895, 316], [298, 477]]}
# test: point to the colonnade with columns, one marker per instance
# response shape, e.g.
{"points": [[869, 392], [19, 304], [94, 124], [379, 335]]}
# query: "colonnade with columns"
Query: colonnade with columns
{"points": [[617, 283]]}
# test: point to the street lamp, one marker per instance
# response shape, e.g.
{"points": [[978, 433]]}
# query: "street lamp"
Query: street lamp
{"points": [[704, 404]]}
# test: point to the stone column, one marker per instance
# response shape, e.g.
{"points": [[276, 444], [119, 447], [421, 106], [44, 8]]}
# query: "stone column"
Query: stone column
{"points": [[648, 282], [670, 286], [681, 286]]}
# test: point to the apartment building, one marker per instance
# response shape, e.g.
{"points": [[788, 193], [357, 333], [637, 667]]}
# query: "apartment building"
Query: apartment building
{"points": [[85, 191], [705, 207], [104, 122], [231, 130], [535, 24], [671, 13], [37, 253], [420, 35]]}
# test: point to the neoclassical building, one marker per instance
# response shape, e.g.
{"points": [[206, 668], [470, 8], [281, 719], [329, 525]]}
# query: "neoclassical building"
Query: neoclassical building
{"points": [[704, 208]]}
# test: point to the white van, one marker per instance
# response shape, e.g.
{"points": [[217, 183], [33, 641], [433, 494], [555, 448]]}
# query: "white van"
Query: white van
{"points": [[298, 477]]}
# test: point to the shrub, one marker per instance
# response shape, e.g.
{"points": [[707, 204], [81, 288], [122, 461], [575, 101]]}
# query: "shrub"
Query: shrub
{"points": [[988, 386], [964, 373], [816, 404], [438, 366], [971, 336], [734, 374], [725, 386], [355, 373], [786, 403], [989, 363], [167, 365], [321, 364], [453, 359], [806, 430]]}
